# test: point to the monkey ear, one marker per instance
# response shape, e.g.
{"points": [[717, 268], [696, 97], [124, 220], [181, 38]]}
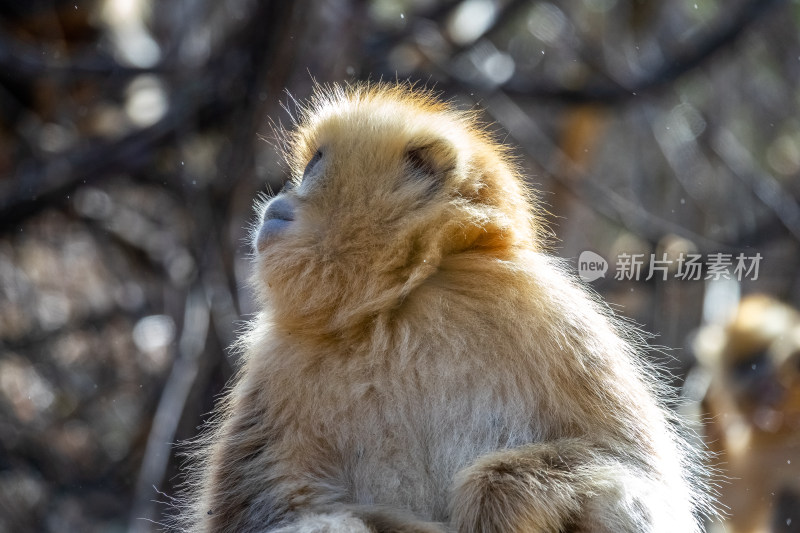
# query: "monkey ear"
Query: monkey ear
{"points": [[432, 158]]}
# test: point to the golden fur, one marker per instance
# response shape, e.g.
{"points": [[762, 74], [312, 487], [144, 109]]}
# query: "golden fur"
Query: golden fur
{"points": [[420, 364]]}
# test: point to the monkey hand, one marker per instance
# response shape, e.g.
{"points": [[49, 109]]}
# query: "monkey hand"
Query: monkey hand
{"points": [[551, 486]]}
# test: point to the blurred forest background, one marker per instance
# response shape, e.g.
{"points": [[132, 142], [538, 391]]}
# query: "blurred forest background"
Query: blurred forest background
{"points": [[134, 136]]}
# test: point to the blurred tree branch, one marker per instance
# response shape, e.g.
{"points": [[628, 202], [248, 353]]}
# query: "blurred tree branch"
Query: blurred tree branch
{"points": [[676, 64], [19, 59], [202, 102], [602, 199], [612, 91]]}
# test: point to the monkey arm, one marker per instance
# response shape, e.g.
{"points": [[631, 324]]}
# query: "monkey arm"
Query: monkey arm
{"points": [[297, 506], [562, 485], [235, 494]]}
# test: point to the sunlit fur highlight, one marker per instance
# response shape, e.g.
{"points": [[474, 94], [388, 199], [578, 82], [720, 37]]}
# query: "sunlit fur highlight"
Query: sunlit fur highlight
{"points": [[420, 363]]}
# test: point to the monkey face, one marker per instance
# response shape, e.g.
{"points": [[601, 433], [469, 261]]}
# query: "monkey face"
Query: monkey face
{"points": [[362, 184], [385, 184]]}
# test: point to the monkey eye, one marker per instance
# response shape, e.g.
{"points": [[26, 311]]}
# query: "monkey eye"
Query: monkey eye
{"points": [[416, 158], [311, 164], [287, 186]]}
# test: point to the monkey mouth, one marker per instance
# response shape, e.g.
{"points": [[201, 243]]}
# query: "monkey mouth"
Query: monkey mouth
{"points": [[277, 219]]}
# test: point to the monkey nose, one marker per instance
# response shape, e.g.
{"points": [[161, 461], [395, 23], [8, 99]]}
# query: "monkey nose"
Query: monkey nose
{"points": [[277, 218]]}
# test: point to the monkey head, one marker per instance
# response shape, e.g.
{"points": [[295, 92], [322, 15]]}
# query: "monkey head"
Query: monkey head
{"points": [[385, 184]]}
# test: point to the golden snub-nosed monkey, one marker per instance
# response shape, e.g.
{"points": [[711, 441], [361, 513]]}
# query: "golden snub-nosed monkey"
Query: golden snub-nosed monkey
{"points": [[419, 364]]}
